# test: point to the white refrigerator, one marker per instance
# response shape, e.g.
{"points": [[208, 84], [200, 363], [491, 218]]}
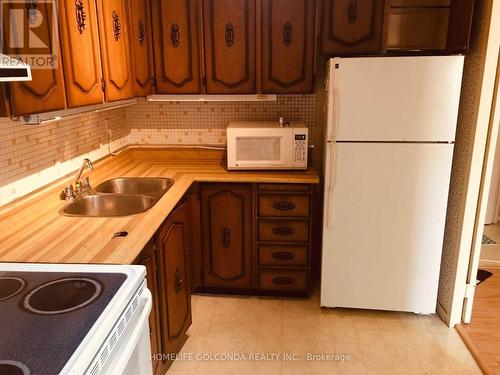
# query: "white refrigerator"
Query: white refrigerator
{"points": [[391, 125]]}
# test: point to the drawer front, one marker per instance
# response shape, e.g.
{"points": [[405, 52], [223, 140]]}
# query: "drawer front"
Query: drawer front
{"points": [[276, 255], [284, 205], [283, 230], [283, 280], [283, 187]]}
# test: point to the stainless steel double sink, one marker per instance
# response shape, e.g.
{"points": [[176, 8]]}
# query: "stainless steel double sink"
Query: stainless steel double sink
{"points": [[121, 196]]}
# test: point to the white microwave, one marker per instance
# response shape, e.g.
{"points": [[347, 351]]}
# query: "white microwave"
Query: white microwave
{"points": [[267, 145]]}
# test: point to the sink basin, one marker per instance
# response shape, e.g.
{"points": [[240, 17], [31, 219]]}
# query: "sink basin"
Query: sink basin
{"points": [[109, 205], [154, 186]]}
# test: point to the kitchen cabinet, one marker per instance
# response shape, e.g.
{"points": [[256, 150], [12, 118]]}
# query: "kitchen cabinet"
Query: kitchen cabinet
{"points": [[288, 28], [226, 221], [118, 77], [148, 259], [45, 92], [177, 46], [173, 243], [141, 46], [351, 27], [256, 238], [429, 25], [80, 52], [230, 46]]}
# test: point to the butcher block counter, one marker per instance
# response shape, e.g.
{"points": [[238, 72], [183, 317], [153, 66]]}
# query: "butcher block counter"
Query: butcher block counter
{"points": [[32, 229]]}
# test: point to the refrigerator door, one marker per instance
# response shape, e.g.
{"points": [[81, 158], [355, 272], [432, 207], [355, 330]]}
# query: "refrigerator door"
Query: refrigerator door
{"points": [[385, 224], [395, 98]]}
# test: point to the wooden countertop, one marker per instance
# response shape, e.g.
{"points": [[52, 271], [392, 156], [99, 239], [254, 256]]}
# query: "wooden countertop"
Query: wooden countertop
{"points": [[33, 230]]}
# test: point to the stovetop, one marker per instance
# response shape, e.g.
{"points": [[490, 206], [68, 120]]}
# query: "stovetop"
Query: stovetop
{"points": [[45, 316]]}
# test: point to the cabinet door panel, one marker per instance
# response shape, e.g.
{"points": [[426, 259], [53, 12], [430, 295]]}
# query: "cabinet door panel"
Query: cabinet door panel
{"points": [[141, 46], [80, 49], [115, 49], [148, 259], [226, 223], [352, 27], [229, 27], [45, 92], [173, 243], [177, 60], [287, 45]]}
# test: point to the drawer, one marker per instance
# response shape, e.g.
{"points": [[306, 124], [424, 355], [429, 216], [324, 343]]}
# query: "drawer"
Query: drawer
{"points": [[283, 205], [419, 29], [283, 187], [283, 230], [285, 255], [283, 280]]}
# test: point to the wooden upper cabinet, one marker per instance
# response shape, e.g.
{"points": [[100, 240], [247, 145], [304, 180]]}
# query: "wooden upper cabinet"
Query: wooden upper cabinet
{"points": [[177, 47], [115, 49], [141, 46], [45, 92], [229, 31], [80, 50], [287, 45], [226, 225], [351, 27], [173, 244]]}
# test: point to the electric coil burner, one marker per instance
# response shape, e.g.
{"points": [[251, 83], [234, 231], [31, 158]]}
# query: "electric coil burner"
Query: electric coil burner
{"points": [[13, 368], [10, 286], [63, 295]]}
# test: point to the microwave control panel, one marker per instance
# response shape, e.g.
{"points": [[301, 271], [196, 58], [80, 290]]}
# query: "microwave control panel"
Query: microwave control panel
{"points": [[300, 147]]}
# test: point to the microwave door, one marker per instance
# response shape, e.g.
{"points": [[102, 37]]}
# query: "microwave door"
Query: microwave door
{"points": [[260, 151]]}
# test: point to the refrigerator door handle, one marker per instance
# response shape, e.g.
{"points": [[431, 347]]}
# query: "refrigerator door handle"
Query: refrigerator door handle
{"points": [[330, 186]]}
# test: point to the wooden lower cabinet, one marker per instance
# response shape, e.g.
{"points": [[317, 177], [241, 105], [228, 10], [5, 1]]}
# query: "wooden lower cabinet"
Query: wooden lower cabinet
{"points": [[166, 258], [255, 238], [226, 217]]}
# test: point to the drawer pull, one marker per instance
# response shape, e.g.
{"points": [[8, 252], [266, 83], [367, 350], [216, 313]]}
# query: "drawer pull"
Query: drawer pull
{"points": [[283, 231], [146, 259], [226, 237], [283, 255], [283, 280], [283, 206]]}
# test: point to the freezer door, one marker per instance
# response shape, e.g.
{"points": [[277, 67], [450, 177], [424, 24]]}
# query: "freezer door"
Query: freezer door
{"points": [[395, 99], [384, 226]]}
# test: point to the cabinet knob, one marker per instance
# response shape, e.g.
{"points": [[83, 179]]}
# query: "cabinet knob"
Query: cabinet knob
{"points": [[174, 35], [178, 281], [283, 231], [283, 255], [141, 32], [117, 26], [226, 237], [352, 11], [283, 205], [287, 34], [229, 34], [283, 280], [80, 15]]}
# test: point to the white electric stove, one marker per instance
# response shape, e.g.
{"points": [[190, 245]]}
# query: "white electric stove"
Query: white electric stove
{"points": [[74, 319]]}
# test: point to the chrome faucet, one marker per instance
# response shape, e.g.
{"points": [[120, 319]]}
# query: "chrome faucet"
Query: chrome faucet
{"points": [[81, 187]]}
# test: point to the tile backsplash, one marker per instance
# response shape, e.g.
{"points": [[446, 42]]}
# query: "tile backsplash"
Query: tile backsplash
{"points": [[33, 156], [170, 123]]}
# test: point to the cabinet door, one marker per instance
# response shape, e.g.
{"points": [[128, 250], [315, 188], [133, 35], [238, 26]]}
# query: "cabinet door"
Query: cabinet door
{"points": [[229, 27], [45, 92], [115, 49], [176, 41], [148, 259], [227, 230], [351, 27], [80, 49], [287, 46], [173, 243], [141, 46]]}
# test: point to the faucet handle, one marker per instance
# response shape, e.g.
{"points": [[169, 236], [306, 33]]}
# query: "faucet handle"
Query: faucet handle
{"points": [[86, 182], [68, 193]]}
